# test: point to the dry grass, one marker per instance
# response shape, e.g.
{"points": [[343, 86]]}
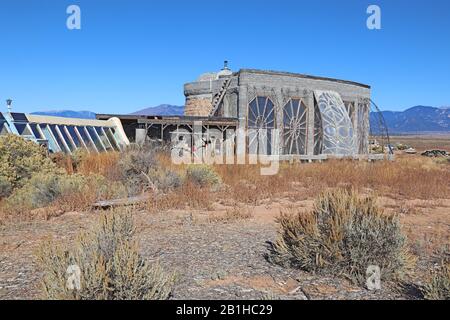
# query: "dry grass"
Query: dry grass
{"points": [[187, 196], [424, 142], [104, 164], [416, 177], [236, 213]]}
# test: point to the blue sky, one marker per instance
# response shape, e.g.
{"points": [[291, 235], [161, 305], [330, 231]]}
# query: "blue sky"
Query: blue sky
{"points": [[134, 54]]}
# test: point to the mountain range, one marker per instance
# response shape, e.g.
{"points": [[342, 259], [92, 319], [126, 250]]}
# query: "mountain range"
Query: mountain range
{"points": [[67, 114], [418, 119], [161, 110]]}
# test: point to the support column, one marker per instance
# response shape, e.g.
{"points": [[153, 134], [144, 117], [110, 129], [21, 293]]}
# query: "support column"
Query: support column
{"points": [[356, 126], [309, 101], [242, 126]]}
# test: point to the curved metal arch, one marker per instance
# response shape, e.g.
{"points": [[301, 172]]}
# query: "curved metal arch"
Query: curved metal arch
{"points": [[382, 131]]}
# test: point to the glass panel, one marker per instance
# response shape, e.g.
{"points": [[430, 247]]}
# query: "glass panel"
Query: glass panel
{"points": [[57, 137], [3, 129], [35, 130], [66, 138], [74, 136], [52, 144], [112, 139], [85, 138], [95, 138], [103, 138]]}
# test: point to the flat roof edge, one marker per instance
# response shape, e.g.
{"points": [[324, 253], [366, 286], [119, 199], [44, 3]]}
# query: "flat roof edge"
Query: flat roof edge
{"points": [[300, 75]]}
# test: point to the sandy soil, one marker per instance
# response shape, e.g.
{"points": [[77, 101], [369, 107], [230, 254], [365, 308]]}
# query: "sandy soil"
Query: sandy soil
{"points": [[218, 260]]}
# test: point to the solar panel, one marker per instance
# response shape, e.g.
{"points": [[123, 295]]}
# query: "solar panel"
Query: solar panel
{"points": [[19, 117]]}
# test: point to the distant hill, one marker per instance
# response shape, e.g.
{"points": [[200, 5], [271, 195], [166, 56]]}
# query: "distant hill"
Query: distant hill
{"points": [[419, 119], [416, 120], [67, 114], [161, 110]]}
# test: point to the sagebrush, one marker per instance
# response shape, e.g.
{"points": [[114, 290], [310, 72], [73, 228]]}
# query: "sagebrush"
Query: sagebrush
{"points": [[203, 175], [438, 285], [343, 235], [19, 161], [110, 264]]}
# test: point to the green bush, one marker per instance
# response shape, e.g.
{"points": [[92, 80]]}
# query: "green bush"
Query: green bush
{"points": [[20, 160], [202, 175], [402, 147], [110, 264], [343, 235], [164, 179], [43, 189]]}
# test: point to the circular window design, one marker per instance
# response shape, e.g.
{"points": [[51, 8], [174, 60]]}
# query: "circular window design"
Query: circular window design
{"points": [[261, 121], [294, 127]]}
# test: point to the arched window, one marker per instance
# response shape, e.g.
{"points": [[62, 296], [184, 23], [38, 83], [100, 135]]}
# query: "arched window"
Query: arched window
{"points": [[294, 127], [261, 121]]}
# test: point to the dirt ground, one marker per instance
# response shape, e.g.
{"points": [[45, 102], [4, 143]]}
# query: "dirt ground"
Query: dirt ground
{"points": [[217, 260]]}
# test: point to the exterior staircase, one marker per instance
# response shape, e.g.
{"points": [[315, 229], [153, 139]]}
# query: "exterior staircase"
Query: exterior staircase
{"points": [[218, 99]]}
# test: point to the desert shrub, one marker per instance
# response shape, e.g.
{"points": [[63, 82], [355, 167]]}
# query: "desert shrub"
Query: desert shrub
{"points": [[134, 165], [164, 179], [438, 288], [402, 147], [21, 159], [5, 187], [63, 161], [202, 175], [438, 284], [343, 235], [110, 265], [44, 189]]}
